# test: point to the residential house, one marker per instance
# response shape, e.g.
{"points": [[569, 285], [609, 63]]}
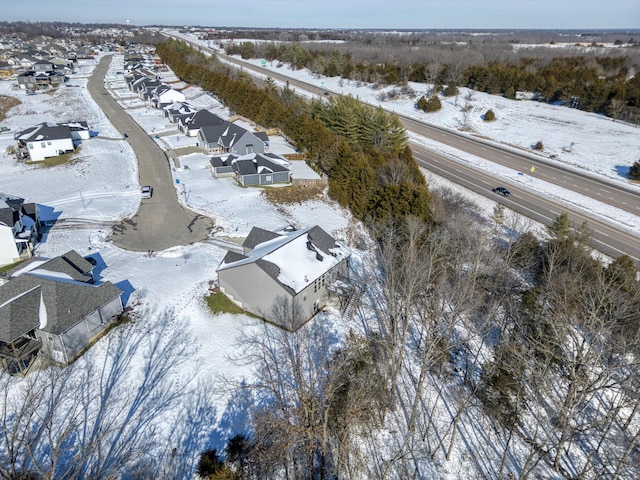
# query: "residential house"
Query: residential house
{"points": [[6, 70], [192, 124], [164, 95], [44, 140], [53, 308], [27, 80], [178, 110], [42, 66], [231, 138], [253, 168], [284, 277], [18, 228]]}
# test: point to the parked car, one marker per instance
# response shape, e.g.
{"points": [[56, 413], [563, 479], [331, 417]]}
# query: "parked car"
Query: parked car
{"points": [[147, 191], [502, 191]]}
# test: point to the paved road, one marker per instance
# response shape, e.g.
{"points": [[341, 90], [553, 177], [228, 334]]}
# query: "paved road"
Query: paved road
{"points": [[624, 198], [161, 222], [610, 239], [606, 238]]}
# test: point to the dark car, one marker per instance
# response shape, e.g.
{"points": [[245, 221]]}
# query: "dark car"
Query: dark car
{"points": [[502, 191]]}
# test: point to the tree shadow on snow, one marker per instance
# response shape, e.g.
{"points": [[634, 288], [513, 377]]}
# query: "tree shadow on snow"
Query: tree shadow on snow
{"points": [[110, 411]]}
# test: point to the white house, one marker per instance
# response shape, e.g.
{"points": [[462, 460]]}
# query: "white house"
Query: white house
{"points": [[165, 95], [44, 140]]}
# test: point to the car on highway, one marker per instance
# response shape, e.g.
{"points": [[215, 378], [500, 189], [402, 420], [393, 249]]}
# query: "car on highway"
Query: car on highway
{"points": [[502, 191], [147, 191]]}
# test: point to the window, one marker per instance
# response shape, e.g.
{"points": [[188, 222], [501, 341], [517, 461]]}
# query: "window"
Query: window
{"points": [[30, 146], [43, 145], [48, 143]]}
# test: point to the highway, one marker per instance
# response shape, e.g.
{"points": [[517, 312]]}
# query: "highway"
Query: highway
{"points": [[607, 238]]}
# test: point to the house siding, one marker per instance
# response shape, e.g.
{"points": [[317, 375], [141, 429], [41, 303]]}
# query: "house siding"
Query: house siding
{"points": [[251, 288], [241, 147], [8, 248], [264, 179], [51, 148], [65, 347], [255, 291]]}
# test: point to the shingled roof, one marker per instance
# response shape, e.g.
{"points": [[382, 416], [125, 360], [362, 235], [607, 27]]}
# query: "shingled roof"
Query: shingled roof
{"points": [[291, 257], [50, 285], [44, 131]]}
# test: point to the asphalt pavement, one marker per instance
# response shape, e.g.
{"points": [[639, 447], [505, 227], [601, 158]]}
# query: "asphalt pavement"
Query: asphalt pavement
{"points": [[160, 222]]}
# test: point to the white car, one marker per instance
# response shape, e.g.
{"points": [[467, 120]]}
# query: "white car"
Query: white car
{"points": [[147, 191]]}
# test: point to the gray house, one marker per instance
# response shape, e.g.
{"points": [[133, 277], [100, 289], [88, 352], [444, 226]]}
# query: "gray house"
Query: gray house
{"points": [[253, 169], [230, 138], [284, 277], [192, 124], [53, 308]]}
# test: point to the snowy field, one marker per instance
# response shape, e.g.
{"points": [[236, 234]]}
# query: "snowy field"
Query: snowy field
{"points": [[166, 291], [588, 142]]}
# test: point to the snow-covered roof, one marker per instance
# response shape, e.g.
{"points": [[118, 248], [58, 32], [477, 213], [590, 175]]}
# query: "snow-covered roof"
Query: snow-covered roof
{"points": [[300, 256]]}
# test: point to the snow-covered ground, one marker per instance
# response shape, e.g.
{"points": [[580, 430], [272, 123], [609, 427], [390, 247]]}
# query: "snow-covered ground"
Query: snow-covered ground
{"points": [[588, 142], [101, 186]]}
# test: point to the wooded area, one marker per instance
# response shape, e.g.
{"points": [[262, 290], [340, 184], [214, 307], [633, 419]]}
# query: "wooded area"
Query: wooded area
{"points": [[465, 329], [593, 79]]}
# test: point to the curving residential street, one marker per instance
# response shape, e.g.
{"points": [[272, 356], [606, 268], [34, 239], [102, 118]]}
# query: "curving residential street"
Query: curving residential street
{"points": [[161, 222]]}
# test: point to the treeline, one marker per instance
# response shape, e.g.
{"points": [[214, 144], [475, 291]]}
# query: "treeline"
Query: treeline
{"points": [[515, 354], [603, 84], [362, 150], [518, 353]]}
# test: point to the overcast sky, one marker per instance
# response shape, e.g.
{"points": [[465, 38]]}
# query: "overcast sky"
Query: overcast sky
{"points": [[516, 14]]}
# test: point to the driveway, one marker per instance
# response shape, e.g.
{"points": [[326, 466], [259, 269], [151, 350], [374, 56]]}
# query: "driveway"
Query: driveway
{"points": [[161, 222]]}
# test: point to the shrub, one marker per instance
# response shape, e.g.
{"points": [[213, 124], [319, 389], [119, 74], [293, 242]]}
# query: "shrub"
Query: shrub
{"points": [[451, 90], [433, 104], [489, 116], [634, 171], [539, 145]]}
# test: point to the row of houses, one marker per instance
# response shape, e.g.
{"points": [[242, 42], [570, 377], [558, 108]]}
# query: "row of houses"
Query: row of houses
{"points": [[236, 151]]}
